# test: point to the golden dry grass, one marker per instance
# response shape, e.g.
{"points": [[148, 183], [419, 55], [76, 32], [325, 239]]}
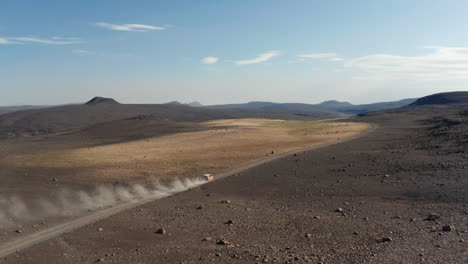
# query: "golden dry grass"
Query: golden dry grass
{"points": [[231, 144]]}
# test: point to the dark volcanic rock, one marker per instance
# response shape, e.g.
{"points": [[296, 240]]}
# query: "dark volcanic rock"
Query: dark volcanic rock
{"points": [[223, 242], [432, 217], [448, 228], [161, 231]]}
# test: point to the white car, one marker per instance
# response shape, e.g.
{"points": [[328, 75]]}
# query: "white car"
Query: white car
{"points": [[208, 177]]}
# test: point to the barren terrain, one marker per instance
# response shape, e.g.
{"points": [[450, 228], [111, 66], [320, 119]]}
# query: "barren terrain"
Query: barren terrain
{"points": [[42, 167], [396, 195], [222, 145]]}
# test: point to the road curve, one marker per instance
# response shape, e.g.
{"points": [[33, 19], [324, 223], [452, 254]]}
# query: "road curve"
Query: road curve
{"points": [[48, 233]]}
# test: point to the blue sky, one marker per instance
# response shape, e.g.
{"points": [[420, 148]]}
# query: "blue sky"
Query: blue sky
{"points": [[222, 51]]}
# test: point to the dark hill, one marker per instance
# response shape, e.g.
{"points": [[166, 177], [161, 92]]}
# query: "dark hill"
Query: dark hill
{"points": [[443, 98], [8, 109], [68, 117], [101, 100], [137, 127]]}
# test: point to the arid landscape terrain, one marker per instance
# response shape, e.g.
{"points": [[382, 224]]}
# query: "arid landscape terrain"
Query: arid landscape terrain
{"points": [[51, 177], [247, 131], [394, 194]]}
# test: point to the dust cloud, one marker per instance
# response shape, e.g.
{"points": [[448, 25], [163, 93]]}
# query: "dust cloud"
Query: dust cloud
{"points": [[71, 202]]}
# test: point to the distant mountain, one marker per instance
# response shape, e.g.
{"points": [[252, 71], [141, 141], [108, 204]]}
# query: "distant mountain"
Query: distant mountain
{"points": [[333, 106], [99, 109], [364, 108], [335, 103], [442, 99], [174, 103], [101, 100], [193, 104]]}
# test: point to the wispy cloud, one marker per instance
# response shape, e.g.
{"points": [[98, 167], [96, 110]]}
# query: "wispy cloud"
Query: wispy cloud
{"points": [[82, 52], [317, 55], [31, 40], [443, 63], [4, 41], [130, 27], [336, 59], [261, 58], [209, 60]]}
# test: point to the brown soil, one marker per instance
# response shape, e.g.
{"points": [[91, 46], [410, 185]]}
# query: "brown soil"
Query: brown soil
{"points": [[222, 145]]}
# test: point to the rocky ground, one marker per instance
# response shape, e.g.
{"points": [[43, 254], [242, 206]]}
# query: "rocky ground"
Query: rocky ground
{"points": [[397, 195]]}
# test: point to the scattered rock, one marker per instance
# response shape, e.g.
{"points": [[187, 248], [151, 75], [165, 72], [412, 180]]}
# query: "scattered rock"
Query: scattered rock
{"points": [[385, 240], [316, 217], [100, 229], [223, 242], [229, 222], [161, 231], [100, 260], [432, 217], [272, 152], [308, 235], [19, 231], [226, 201], [207, 239], [448, 228], [339, 210]]}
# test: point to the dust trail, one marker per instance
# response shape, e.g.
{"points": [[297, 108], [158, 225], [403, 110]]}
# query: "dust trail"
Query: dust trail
{"points": [[69, 202]]}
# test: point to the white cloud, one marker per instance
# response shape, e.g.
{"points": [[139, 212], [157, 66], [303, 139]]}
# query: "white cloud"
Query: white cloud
{"points": [[317, 55], [443, 63], [130, 27], [82, 52], [261, 58], [209, 60], [29, 40], [336, 59]]}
